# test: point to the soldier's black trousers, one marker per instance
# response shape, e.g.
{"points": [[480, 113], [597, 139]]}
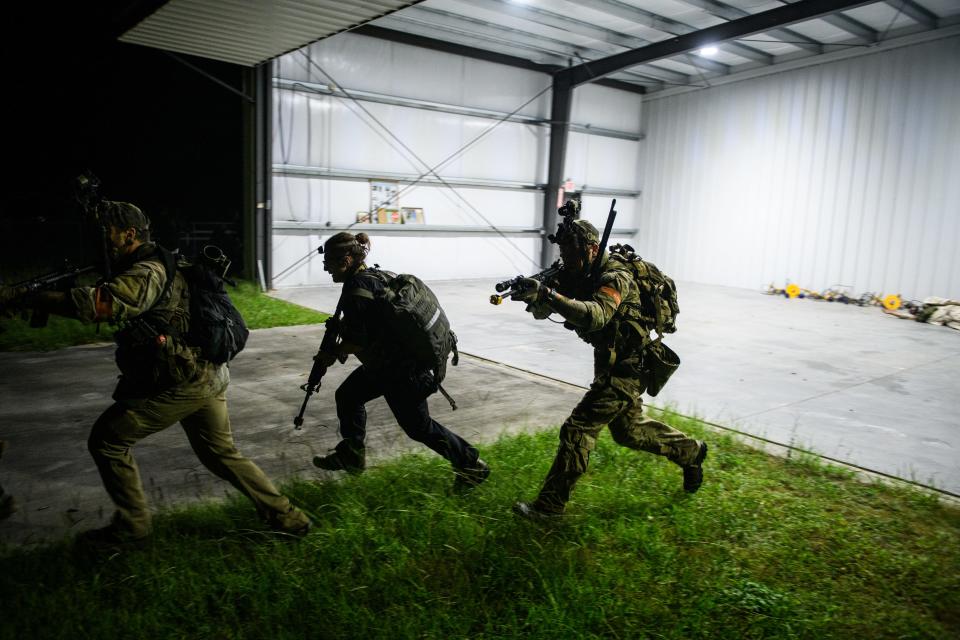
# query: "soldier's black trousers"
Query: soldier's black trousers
{"points": [[407, 398]]}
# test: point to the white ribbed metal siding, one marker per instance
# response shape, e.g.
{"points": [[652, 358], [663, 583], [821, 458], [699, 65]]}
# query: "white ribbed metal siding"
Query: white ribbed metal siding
{"points": [[326, 132], [845, 173]]}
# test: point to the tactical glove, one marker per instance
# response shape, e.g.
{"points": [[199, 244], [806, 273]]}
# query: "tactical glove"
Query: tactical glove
{"points": [[11, 299], [528, 290]]}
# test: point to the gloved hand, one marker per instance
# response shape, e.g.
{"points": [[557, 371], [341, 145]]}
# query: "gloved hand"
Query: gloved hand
{"points": [[528, 290], [325, 359], [11, 299], [321, 362], [9, 295]]}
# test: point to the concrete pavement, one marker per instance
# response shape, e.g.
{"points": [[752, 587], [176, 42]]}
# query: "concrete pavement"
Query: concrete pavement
{"points": [[48, 402], [847, 382]]}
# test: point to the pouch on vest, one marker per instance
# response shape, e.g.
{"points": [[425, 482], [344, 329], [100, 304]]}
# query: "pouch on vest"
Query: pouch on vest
{"points": [[659, 363]]}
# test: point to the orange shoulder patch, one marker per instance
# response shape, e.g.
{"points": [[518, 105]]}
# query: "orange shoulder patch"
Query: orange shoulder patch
{"points": [[612, 293]]}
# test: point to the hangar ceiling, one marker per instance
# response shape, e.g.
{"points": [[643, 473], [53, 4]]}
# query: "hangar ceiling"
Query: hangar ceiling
{"points": [[700, 41]]}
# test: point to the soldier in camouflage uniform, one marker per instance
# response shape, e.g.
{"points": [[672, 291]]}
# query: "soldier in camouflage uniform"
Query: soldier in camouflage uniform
{"points": [[162, 381], [597, 310]]}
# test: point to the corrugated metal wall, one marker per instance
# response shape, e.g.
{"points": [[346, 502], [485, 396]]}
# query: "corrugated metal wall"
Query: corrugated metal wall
{"points": [[845, 173], [322, 132]]}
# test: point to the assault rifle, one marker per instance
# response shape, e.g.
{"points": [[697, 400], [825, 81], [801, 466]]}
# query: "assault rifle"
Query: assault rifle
{"points": [[509, 287], [569, 211], [327, 346], [61, 280]]}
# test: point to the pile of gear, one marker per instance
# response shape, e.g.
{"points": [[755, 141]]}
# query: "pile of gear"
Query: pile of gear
{"points": [[931, 310], [837, 294]]}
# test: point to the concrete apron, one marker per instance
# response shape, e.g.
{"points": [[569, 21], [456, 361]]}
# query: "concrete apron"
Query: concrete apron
{"points": [[847, 382], [48, 402]]}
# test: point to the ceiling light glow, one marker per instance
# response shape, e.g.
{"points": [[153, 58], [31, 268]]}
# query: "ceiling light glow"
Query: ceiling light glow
{"points": [[708, 51]]}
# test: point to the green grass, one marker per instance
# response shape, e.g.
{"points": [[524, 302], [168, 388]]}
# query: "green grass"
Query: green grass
{"points": [[769, 548], [259, 311]]}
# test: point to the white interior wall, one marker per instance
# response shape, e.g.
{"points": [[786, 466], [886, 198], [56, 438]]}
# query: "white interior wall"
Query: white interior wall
{"points": [[843, 173], [330, 133], [455, 255]]}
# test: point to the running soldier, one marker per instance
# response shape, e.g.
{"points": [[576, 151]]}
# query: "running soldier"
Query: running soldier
{"points": [[596, 307]]}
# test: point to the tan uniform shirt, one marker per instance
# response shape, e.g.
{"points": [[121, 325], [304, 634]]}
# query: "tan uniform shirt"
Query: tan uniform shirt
{"points": [[134, 291]]}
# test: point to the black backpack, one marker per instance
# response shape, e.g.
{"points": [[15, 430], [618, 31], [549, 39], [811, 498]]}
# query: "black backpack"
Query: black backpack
{"points": [[216, 326], [416, 320]]}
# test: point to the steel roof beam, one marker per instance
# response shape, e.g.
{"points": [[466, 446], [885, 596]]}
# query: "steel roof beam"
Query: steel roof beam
{"points": [[544, 17], [915, 12], [655, 74], [725, 11], [569, 49], [445, 46], [742, 27], [666, 25], [848, 24]]}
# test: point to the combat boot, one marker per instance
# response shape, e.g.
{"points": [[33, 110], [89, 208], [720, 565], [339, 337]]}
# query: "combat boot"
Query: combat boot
{"points": [[470, 477], [531, 511], [111, 537], [345, 457], [693, 473], [294, 523]]}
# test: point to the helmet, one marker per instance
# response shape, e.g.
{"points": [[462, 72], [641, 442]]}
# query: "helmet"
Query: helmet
{"points": [[123, 215]]}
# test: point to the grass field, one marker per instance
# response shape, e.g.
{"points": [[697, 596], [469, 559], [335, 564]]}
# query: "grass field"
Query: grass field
{"points": [[259, 311], [769, 548]]}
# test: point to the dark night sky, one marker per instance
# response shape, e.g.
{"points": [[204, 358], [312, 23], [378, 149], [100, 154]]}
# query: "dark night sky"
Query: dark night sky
{"points": [[155, 132]]}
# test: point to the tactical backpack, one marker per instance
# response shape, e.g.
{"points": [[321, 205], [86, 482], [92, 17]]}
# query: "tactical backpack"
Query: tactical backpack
{"points": [[216, 327], [657, 310], [416, 321]]}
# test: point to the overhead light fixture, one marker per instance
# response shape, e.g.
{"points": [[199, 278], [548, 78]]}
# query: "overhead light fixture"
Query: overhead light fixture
{"points": [[706, 52]]}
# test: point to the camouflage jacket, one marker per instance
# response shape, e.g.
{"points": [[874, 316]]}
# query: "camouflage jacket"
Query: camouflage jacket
{"points": [[610, 299], [151, 317]]}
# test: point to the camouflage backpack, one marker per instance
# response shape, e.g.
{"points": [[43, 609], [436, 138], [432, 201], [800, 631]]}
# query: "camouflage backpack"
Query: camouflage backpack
{"points": [[657, 310], [417, 322], [658, 293]]}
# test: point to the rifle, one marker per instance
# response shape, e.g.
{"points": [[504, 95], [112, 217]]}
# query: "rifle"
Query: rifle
{"points": [[330, 336], [607, 228], [62, 280], [512, 285]]}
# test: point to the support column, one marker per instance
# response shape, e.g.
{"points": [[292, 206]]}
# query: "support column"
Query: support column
{"points": [[560, 107], [263, 172], [249, 138]]}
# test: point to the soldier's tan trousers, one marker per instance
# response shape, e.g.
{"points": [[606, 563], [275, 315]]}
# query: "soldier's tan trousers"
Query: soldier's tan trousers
{"points": [[613, 402], [204, 419]]}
